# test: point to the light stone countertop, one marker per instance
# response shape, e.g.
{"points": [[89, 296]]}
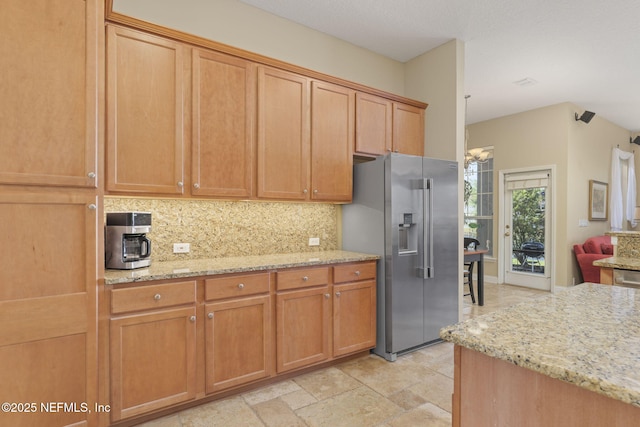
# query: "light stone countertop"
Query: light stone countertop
{"points": [[588, 335], [213, 266], [624, 263]]}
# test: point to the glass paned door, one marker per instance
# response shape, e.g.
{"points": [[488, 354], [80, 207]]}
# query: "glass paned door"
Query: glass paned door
{"points": [[527, 224]]}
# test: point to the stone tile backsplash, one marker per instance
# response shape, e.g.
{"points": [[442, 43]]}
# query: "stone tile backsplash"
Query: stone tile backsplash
{"points": [[227, 228]]}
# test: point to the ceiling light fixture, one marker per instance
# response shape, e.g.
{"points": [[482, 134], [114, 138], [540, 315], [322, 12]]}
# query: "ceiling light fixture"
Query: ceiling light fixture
{"points": [[585, 117]]}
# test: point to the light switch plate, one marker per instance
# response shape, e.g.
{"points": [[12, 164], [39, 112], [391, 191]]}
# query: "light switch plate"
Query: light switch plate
{"points": [[314, 241]]}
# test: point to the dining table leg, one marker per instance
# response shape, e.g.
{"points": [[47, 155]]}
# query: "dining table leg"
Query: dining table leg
{"points": [[481, 280]]}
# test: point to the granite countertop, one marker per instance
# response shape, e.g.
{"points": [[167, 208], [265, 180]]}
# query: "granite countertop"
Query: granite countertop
{"points": [[588, 335], [624, 263], [213, 266]]}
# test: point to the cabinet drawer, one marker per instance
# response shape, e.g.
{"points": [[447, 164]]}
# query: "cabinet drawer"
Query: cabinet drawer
{"points": [[302, 278], [354, 272], [148, 297], [236, 286]]}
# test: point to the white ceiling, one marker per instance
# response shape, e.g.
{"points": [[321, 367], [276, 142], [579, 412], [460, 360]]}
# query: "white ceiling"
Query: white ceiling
{"points": [[581, 51]]}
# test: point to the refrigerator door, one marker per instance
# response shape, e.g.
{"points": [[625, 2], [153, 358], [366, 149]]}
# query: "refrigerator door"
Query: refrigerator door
{"points": [[441, 246], [404, 253]]}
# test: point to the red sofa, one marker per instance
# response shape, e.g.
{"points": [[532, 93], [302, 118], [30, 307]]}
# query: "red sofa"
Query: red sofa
{"points": [[592, 249]]}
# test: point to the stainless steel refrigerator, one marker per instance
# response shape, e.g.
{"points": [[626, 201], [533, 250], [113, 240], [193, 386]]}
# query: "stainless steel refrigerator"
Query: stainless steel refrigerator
{"points": [[405, 210]]}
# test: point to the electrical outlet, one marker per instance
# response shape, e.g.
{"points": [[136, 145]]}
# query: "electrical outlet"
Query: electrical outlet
{"points": [[314, 241], [181, 248]]}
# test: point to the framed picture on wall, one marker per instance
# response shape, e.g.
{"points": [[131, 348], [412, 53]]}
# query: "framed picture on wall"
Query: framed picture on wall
{"points": [[598, 200]]}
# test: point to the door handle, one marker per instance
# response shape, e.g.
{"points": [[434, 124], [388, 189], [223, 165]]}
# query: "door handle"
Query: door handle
{"points": [[508, 233]]}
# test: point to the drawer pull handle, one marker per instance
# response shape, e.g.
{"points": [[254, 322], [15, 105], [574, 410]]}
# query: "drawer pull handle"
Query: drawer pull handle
{"points": [[357, 272], [192, 318], [210, 315], [240, 285], [305, 278], [157, 297], [338, 294]]}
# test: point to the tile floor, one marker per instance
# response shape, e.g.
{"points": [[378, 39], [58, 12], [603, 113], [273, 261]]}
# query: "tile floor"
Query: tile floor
{"points": [[415, 390]]}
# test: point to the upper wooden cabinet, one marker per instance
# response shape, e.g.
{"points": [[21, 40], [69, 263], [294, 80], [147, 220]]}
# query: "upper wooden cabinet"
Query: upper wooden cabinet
{"points": [[383, 126], [374, 124], [49, 83], [332, 134], [408, 129], [145, 97], [283, 134], [223, 125]]}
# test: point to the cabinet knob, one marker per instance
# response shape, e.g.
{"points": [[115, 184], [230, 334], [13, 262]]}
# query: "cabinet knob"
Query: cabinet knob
{"points": [[305, 191], [180, 184], [192, 318], [357, 272], [305, 279], [91, 175], [240, 285], [338, 294], [315, 191], [210, 315], [397, 150], [92, 206], [327, 296], [157, 297], [196, 185]]}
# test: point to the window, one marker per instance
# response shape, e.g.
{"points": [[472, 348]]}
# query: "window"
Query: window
{"points": [[478, 206]]}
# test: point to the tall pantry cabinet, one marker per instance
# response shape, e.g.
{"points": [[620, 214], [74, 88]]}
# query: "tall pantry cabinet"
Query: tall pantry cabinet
{"points": [[49, 143]]}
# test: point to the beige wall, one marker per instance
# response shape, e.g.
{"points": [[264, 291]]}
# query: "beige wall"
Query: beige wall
{"points": [[246, 27], [579, 151]]}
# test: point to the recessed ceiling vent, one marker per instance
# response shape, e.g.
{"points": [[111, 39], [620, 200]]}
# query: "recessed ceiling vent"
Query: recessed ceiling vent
{"points": [[527, 81]]}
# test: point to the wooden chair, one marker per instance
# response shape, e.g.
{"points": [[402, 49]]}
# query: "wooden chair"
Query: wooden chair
{"points": [[468, 269]]}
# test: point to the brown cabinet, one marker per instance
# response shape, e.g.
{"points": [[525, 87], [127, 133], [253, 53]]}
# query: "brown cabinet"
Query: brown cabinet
{"points": [[303, 317], [145, 103], [50, 88], [374, 125], [332, 136], [238, 330], [354, 308], [408, 129], [152, 348], [283, 135], [48, 312], [223, 125], [384, 126]]}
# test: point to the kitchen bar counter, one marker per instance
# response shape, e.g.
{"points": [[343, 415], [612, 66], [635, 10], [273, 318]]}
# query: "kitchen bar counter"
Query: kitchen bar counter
{"points": [[588, 336], [623, 263], [214, 266]]}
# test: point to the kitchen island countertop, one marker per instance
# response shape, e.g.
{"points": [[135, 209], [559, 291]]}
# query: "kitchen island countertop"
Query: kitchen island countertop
{"points": [[623, 263], [587, 335], [226, 265]]}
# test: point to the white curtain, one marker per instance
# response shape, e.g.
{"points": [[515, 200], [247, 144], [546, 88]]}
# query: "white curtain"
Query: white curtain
{"points": [[616, 189]]}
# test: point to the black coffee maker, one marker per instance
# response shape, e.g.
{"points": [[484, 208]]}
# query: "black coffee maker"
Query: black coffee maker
{"points": [[126, 245]]}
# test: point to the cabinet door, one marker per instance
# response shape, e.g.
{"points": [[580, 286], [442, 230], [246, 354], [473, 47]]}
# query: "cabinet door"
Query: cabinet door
{"points": [[303, 319], [223, 130], [49, 86], [48, 306], [153, 361], [373, 125], [332, 135], [283, 135], [145, 140], [354, 317], [408, 129], [238, 333]]}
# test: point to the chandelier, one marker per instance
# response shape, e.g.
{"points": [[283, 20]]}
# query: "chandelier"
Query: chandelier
{"points": [[475, 154]]}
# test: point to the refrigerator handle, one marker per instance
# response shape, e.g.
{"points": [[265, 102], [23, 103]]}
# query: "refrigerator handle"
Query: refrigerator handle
{"points": [[426, 272]]}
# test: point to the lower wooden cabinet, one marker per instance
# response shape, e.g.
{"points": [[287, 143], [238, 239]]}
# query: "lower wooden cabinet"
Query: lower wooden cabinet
{"points": [[162, 355], [303, 322], [237, 330]]}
